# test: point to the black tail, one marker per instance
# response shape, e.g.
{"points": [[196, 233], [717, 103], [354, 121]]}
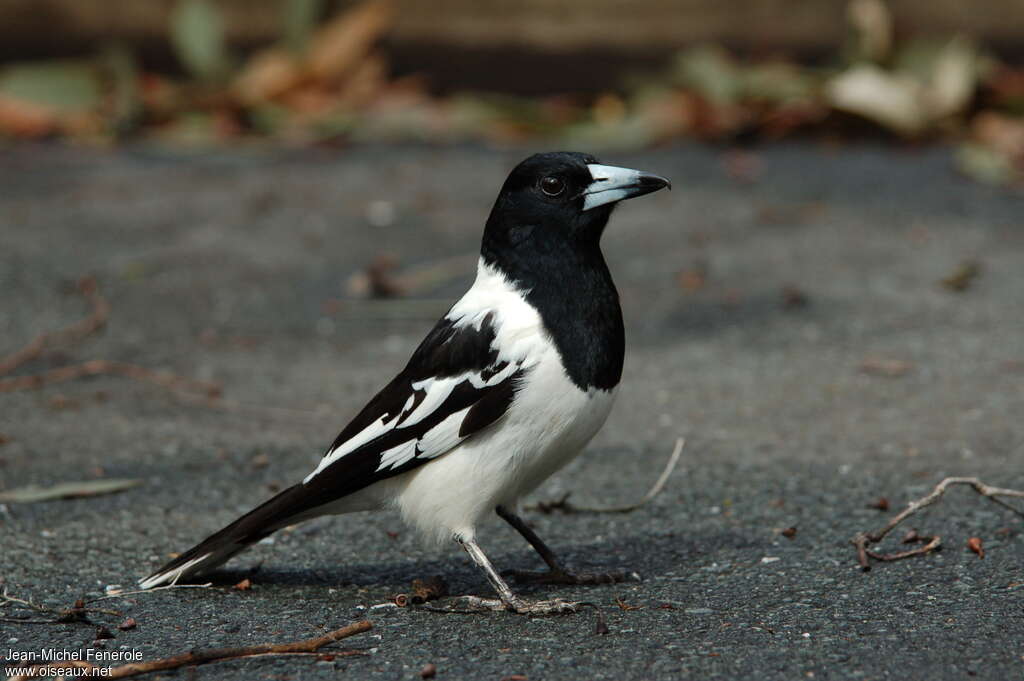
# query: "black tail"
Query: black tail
{"points": [[284, 509]]}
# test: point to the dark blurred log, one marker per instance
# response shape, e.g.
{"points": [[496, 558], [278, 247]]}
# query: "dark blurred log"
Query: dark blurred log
{"points": [[32, 28]]}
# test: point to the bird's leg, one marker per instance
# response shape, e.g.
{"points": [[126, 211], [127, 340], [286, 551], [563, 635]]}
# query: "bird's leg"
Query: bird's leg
{"points": [[557, 573], [507, 599]]}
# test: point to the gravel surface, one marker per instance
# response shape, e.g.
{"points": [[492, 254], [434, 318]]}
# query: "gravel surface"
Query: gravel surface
{"points": [[766, 298]]}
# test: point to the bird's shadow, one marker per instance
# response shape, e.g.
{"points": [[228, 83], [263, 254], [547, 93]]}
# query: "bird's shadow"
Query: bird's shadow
{"points": [[650, 555]]}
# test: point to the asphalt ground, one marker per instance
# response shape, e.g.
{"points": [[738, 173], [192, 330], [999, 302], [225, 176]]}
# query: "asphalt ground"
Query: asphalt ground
{"points": [[784, 313]]}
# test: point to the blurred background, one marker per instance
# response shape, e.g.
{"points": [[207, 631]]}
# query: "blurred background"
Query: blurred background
{"points": [[600, 74]]}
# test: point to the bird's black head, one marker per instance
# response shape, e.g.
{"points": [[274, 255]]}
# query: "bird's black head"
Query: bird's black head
{"points": [[557, 202], [544, 235]]}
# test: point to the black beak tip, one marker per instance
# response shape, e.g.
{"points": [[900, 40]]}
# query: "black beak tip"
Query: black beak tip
{"points": [[653, 183]]}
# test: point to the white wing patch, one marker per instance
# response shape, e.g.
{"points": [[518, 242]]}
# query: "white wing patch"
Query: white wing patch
{"points": [[396, 456], [442, 437], [437, 390], [375, 429]]}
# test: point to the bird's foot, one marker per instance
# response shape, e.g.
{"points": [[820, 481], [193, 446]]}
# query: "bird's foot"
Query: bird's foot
{"points": [[562, 576], [522, 606]]}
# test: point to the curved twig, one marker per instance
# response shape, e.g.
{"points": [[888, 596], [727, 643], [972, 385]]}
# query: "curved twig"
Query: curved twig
{"points": [[862, 540]]}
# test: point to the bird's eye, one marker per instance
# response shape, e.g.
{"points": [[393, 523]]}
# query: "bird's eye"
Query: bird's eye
{"points": [[552, 186]]}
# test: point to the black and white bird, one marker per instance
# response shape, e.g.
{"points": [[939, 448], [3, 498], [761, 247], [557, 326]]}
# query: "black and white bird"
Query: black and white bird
{"points": [[507, 388]]}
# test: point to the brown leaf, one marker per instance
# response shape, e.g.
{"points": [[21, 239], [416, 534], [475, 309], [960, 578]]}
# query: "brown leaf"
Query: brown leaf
{"points": [[789, 532], [19, 118], [974, 544], [429, 589], [244, 585], [267, 75], [793, 296], [962, 277], [341, 44], [129, 623], [428, 671], [626, 606], [881, 504], [890, 368]]}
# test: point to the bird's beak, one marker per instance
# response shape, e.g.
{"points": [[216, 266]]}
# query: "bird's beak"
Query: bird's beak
{"points": [[611, 184]]}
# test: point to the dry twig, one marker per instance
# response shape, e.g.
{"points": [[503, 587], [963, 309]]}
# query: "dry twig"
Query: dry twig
{"points": [[97, 367], [197, 657], [88, 287], [862, 540], [94, 322], [77, 613], [564, 505]]}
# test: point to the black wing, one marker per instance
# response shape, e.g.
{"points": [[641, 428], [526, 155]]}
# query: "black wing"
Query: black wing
{"points": [[456, 384]]}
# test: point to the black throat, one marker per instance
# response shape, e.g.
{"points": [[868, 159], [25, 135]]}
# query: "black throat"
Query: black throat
{"points": [[571, 288]]}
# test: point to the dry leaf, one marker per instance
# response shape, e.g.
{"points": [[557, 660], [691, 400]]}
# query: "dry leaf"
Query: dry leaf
{"points": [[892, 368], [67, 490], [974, 544], [882, 504], [341, 44], [890, 99], [962, 276], [267, 75]]}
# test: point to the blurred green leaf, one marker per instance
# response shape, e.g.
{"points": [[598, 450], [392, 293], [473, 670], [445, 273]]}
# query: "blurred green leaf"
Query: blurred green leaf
{"points": [[779, 82], [119, 64], [64, 86], [709, 71], [632, 132], [872, 25], [300, 18], [267, 118], [197, 32], [985, 165]]}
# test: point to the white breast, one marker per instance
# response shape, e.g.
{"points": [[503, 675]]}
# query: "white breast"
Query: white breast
{"points": [[548, 424]]}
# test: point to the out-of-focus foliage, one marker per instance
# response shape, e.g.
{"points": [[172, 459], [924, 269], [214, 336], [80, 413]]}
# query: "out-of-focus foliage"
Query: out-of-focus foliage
{"points": [[327, 80], [197, 32]]}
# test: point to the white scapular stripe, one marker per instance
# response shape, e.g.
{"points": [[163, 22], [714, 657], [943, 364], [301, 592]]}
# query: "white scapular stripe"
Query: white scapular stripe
{"points": [[375, 429], [438, 390]]}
